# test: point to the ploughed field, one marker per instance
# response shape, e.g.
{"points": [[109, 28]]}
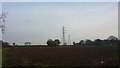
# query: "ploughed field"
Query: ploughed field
{"points": [[61, 56]]}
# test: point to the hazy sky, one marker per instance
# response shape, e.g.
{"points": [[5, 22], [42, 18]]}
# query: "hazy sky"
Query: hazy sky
{"points": [[39, 21], [0, 23]]}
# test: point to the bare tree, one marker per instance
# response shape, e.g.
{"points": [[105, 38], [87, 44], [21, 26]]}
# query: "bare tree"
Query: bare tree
{"points": [[2, 19]]}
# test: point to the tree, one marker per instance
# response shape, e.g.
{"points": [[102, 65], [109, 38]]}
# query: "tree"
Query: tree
{"points": [[106, 42], [88, 42], [2, 19], [98, 42], [27, 43], [81, 42], [74, 43], [50, 42], [112, 38], [57, 41], [14, 44]]}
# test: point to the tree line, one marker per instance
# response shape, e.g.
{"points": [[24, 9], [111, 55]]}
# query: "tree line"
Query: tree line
{"points": [[111, 40]]}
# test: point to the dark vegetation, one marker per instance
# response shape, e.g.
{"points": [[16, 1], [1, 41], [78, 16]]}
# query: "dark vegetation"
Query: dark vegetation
{"points": [[111, 40], [56, 42]]}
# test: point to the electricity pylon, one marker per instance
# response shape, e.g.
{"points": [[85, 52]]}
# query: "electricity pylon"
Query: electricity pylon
{"points": [[63, 31]]}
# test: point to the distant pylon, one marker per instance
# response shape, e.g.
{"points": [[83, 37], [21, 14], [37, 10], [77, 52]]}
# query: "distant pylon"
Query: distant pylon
{"points": [[63, 31], [69, 40]]}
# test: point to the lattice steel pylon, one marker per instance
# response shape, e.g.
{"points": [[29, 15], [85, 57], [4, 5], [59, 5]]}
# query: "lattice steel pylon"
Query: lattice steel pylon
{"points": [[63, 31], [69, 40]]}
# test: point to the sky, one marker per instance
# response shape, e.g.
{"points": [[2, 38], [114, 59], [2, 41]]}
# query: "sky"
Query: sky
{"points": [[39, 21], [0, 23]]}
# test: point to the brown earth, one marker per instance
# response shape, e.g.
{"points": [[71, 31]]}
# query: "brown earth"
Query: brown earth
{"points": [[61, 56]]}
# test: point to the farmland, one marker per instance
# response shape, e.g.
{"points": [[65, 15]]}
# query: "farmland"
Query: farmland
{"points": [[61, 56]]}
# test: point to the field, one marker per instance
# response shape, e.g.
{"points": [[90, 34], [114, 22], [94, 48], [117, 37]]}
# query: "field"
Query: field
{"points": [[61, 56]]}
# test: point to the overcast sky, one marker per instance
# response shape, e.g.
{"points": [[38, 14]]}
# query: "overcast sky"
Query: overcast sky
{"points": [[39, 21]]}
